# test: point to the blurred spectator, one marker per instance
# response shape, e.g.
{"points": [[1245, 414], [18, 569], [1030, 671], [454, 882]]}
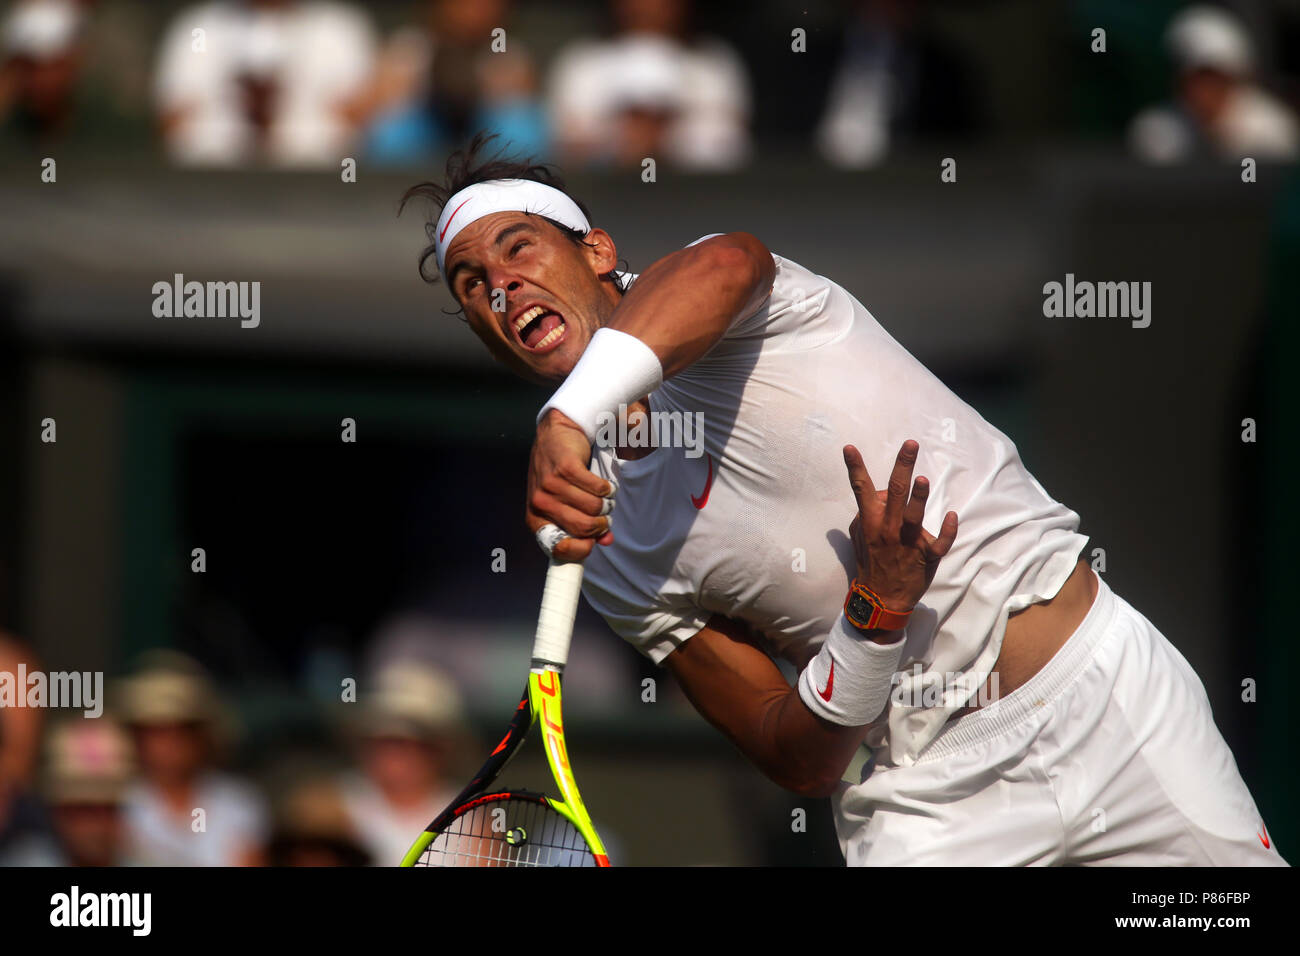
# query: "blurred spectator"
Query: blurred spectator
{"points": [[411, 734], [173, 713], [26, 837], [43, 51], [20, 727], [436, 86], [73, 69], [896, 80], [275, 80], [88, 770], [313, 828], [651, 90], [1219, 109]]}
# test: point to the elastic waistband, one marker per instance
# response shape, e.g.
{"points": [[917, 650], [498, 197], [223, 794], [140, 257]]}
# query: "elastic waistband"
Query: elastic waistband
{"points": [[1057, 674]]}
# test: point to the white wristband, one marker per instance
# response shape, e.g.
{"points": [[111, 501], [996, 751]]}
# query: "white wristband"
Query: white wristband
{"points": [[849, 680], [616, 369]]}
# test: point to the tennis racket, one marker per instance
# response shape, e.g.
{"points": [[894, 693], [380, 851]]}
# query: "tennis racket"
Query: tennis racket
{"points": [[485, 826]]}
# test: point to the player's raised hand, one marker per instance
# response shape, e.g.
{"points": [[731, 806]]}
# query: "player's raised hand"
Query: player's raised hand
{"points": [[563, 492], [897, 558]]}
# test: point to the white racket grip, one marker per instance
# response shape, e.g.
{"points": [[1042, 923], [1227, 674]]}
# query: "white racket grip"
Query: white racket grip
{"points": [[559, 605]]}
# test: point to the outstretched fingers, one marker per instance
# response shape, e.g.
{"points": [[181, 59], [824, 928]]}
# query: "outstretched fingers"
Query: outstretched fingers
{"points": [[859, 480], [947, 535], [914, 511], [900, 479]]}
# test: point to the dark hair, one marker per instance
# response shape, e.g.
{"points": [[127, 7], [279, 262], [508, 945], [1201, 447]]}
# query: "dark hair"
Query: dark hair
{"points": [[473, 164]]}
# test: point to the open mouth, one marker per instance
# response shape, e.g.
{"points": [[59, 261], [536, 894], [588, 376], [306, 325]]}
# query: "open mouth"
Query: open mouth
{"points": [[539, 329]]}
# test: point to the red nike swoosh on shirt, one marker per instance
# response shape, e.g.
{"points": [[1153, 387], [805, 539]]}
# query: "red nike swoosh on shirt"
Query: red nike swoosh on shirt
{"points": [[1263, 837], [450, 218], [703, 499], [830, 682]]}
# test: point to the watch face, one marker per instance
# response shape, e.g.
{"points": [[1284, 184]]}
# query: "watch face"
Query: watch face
{"points": [[859, 610]]}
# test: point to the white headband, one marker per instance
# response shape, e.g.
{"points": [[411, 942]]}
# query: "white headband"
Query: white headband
{"points": [[504, 195]]}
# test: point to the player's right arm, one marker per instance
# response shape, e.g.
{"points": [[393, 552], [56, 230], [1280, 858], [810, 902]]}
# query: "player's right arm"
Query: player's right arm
{"points": [[674, 313]]}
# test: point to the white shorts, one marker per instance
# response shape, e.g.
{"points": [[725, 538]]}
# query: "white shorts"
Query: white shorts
{"points": [[1108, 756]]}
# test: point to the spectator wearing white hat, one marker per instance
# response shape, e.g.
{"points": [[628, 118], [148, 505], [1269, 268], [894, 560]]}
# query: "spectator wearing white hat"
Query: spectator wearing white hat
{"points": [[263, 80], [1220, 108], [314, 828], [42, 45], [411, 734], [183, 811], [88, 769], [651, 90]]}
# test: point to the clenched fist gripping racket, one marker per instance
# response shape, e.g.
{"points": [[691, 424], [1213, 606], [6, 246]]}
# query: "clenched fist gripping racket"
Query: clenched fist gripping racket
{"points": [[489, 827]]}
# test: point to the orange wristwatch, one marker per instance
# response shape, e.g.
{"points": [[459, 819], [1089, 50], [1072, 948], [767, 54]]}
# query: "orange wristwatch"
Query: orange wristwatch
{"points": [[866, 611]]}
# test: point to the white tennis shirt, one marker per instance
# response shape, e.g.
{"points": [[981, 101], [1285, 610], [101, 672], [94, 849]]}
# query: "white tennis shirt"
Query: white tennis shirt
{"points": [[756, 528]]}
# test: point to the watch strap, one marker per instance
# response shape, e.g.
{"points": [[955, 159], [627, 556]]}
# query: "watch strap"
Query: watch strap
{"points": [[869, 612]]}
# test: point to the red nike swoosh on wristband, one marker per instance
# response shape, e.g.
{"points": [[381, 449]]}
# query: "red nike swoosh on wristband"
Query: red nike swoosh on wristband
{"points": [[703, 499], [450, 218], [1263, 837], [830, 682]]}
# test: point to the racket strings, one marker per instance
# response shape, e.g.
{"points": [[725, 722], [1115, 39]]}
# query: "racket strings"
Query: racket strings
{"points": [[512, 831]]}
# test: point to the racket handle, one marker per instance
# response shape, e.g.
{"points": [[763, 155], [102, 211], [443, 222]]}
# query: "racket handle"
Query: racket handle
{"points": [[559, 605]]}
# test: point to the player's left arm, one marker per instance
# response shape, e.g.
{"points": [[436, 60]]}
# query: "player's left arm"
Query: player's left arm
{"points": [[803, 737], [738, 688]]}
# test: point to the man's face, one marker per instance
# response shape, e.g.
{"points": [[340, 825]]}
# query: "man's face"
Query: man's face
{"points": [[403, 766], [530, 293], [171, 751], [91, 832], [1206, 93]]}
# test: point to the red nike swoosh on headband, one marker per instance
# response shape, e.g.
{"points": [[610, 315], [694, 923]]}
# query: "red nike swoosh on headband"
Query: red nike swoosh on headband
{"points": [[1263, 837], [450, 218], [703, 499], [830, 682]]}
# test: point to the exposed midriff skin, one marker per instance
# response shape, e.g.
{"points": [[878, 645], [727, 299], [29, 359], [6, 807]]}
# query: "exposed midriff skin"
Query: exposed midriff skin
{"points": [[1035, 634]]}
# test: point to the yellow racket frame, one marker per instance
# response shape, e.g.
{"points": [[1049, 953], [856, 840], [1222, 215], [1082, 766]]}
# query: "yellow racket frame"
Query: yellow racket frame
{"points": [[546, 709]]}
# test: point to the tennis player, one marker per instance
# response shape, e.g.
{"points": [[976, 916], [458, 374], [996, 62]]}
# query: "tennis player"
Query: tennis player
{"points": [[968, 696]]}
